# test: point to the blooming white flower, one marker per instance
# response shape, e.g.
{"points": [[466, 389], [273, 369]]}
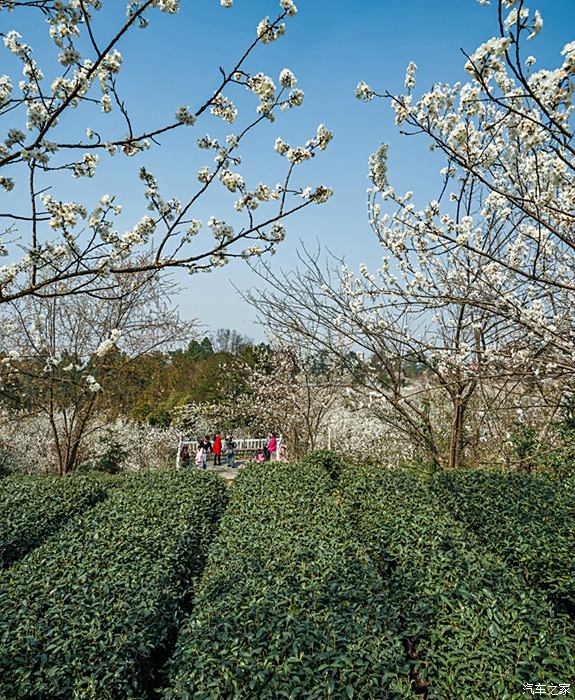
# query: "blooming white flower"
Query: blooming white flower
{"points": [[289, 6], [184, 115], [233, 181], [537, 24], [287, 78], [193, 229], [267, 32], [12, 43], [106, 103], [281, 147], [378, 167], [410, 76], [298, 155], [221, 231], [87, 166], [323, 137], [5, 89], [224, 108], [569, 53], [321, 194], [277, 232], [295, 97], [63, 215], [364, 92], [69, 56], [204, 174], [92, 384], [106, 345], [265, 193]]}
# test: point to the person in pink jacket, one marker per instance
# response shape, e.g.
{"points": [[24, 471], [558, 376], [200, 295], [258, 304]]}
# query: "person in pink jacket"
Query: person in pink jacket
{"points": [[271, 445]]}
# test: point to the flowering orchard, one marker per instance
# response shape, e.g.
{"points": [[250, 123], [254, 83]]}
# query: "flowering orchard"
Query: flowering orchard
{"points": [[475, 292], [66, 349], [81, 244], [30, 445]]}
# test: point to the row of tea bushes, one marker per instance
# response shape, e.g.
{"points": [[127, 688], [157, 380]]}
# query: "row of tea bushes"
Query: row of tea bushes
{"points": [[290, 605], [90, 612], [528, 521], [471, 625], [33, 508]]}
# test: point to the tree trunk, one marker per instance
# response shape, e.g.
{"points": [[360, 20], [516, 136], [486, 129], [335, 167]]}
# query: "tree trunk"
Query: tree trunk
{"points": [[456, 437]]}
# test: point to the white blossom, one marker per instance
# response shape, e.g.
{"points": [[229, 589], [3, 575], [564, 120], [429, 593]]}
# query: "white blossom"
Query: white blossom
{"points": [[364, 92], [184, 116], [287, 78]]}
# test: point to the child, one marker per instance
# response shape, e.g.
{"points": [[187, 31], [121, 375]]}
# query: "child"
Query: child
{"points": [[202, 455]]}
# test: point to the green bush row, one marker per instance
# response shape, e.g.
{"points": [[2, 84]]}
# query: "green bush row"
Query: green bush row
{"points": [[289, 606], [32, 508], [472, 627], [527, 520], [326, 459], [90, 612]]}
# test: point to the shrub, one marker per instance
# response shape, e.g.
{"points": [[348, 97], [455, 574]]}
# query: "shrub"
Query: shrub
{"points": [[471, 625], [526, 520], [86, 614], [325, 459], [33, 508], [289, 605]]}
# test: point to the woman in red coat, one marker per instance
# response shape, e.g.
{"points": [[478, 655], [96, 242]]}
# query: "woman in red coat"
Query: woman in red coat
{"points": [[217, 450]]}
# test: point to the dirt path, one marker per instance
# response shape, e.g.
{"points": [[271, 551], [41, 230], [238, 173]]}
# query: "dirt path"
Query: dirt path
{"points": [[224, 471]]}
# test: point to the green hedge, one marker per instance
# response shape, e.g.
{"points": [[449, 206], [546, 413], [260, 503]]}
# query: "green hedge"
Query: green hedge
{"points": [[90, 612], [528, 521], [289, 606], [33, 508], [326, 459], [471, 625]]}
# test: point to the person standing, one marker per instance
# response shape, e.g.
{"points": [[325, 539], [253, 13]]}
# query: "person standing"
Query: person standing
{"points": [[204, 448], [217, 450], [230, 452], [201, 454], [272, 445], [185, 455]]}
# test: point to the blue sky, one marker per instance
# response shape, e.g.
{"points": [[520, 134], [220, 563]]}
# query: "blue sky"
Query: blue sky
{"points": [[330, 46]]}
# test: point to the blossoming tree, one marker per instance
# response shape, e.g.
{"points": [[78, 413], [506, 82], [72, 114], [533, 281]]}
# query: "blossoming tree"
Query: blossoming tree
{"points": [[80, 244], [509, 178], [65, 349], [476, 287]]}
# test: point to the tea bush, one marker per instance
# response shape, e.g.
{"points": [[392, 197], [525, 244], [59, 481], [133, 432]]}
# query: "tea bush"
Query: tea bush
{"points": [[290, 606], [86, 614], [326, 459], [527, 520], [471, 625], [33, 508]]}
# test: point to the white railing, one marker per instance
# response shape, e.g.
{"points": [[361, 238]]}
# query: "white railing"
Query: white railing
{"points": [[250, 443]]}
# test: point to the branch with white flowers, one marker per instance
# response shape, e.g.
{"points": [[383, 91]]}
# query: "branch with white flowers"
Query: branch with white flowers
{"points": [[81, 243]]}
